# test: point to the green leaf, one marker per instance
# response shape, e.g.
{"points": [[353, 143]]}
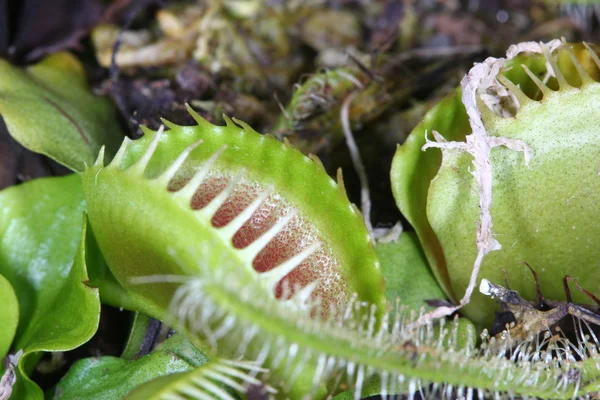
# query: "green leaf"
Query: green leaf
{"points": [[111, 291], [112, 378], [41, 230], [9, 315], [412, 172], [49, 109], [407, 273]]}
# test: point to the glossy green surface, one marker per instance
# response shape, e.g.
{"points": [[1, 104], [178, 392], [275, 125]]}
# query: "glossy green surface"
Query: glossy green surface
{"points": [[49, 109], [41, 256], [407, 275], [108, 378], [9, 315]]}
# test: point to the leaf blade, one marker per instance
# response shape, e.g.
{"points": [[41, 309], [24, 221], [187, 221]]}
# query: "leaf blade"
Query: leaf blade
{"points": [[49, 109]]}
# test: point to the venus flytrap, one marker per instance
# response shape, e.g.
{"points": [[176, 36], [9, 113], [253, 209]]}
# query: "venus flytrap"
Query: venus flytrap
{"points": [[482, 78], [543, 212], [171, 209], [249, 249], [237, 201]]}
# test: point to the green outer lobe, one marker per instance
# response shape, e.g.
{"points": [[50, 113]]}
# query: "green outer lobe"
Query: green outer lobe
{"points": [[111, 291], [297, 178], [48, 108], [136, 234], [9, 315], [412, 171], [453, 213], [544, 214]]}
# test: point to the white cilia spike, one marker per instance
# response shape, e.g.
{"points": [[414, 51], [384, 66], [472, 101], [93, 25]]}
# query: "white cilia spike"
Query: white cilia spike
{"points": [[187, 192], [193, 393], [172, 396], [592, 54], [303, 296], [585, 77], [211, 208], [252, 250], [232, 227], [562, 81], [272, 277], [100, 159], [236, 369], [224, 379], [546, 91], [170, 172], [514, 89], [116, 161], [213, 388], [140, 166]]}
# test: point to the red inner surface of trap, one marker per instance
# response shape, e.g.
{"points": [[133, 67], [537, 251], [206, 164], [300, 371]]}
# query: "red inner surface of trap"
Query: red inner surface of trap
{"points": [[297, 235]]}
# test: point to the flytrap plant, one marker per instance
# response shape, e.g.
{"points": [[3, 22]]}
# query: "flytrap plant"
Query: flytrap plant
{"points": [[251, 251], [519, 149]]}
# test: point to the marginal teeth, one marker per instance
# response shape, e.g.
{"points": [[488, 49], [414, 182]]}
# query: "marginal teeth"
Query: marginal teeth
{"points": [[251, 251], [232, 227], [275, 275], [592, 54], [172, 126], [585, 77], [116, 161], [100, 159], [202, 123], [562, 81], [302, 297], [211, 208], [170, 172], [187, 192], [546, 91], [139, 167]]}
